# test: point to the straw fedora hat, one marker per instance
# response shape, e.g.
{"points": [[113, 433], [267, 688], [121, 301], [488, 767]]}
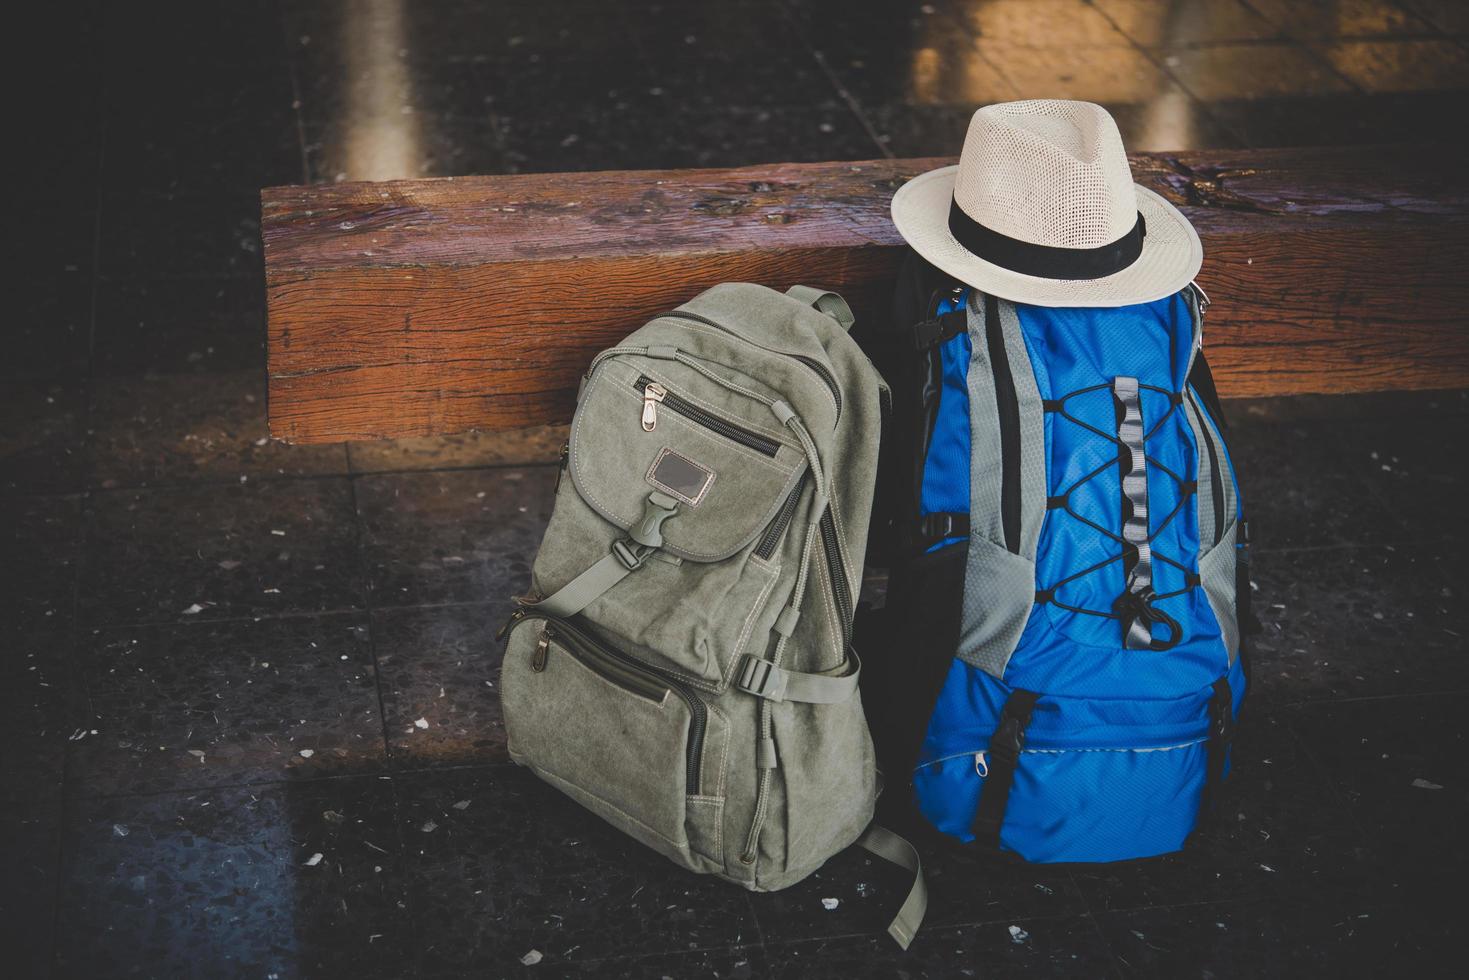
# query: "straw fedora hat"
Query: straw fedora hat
{"points": [[1042, 209]]}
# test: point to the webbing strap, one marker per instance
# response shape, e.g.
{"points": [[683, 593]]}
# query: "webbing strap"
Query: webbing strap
{"points": [[887, 845], [1134, 463], [766, 680], [626, 557], [826, 302], [1221, 734], [1003, 758], [583, 590]]}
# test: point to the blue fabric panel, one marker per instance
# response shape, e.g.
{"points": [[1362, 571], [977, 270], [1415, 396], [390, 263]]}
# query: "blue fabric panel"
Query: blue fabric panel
{"points": [[1080, 654], [1099, 780], [969, 705], [1115, 752], [1079, 805], [946, 467]]}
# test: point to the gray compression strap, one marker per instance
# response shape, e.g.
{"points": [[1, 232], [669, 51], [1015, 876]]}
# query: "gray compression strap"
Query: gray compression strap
{"points": [[583, 590], [827, 302], [1135, 504], [890, 847], [764, 679], [626, 557]]}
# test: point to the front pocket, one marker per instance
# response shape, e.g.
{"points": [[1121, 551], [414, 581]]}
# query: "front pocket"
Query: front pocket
{"points": [[638, 748], [1076, 805], [712, 590]]}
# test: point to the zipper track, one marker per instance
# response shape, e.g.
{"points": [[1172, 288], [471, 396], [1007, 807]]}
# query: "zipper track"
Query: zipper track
{"points": [[752, 440], [832, 547], [783, 517], [629, 670], [1007, 403], [812, 363], [1172, 746], [1216, 479]]}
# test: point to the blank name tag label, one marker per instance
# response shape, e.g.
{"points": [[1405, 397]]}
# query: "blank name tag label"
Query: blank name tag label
{"points": [[680, 476]]}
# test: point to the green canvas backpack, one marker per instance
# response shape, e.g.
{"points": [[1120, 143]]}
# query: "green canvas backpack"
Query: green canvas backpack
{"points": [[684, 667]]}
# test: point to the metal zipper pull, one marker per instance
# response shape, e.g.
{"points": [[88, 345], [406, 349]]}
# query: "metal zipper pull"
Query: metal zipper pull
{"points": [[981, 767], [561, 467], [543, 645], [514, 618], [652, 394]]}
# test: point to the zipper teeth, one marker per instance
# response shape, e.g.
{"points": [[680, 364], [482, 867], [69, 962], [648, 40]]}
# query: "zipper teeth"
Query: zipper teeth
{"points": [[831, 383], [816, 366], [1216, 481], [777, 527], [838, 573], [752, 440], [698, 711], [652, 688], [1079, 748]]}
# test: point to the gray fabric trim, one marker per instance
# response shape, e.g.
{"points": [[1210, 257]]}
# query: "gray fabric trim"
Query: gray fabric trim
{"points": [[1203, 498], [999, 586], [984, 435], [1033, 482], [1216, 576], [1135, 494], [999, 592]]}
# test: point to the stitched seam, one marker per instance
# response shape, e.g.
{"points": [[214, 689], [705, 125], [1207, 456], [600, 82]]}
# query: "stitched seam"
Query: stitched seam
{"points": [[829, 603], [616, 687], [718, 825], [667, 451], [749, 626], [683, 392], [602, 506], [787, 473], [724, 752], [708, 331], [836, 520], [733, 446]]}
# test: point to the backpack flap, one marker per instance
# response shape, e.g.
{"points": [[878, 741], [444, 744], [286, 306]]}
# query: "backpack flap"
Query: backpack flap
{"points": [[638, 431], [717, 486]]}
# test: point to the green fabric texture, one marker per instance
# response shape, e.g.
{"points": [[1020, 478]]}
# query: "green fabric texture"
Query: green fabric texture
{"points": [[722, 656]]}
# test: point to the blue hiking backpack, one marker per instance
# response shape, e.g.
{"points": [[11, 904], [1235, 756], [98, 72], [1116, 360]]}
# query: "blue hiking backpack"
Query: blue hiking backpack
{"points": [[1059, 665]]}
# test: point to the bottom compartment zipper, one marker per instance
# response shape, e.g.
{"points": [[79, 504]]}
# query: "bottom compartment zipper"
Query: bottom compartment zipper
{"points": [[628, 673]]}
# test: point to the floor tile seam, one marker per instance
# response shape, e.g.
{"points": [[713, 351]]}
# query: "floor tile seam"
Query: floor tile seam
{"points": [[275, 782], [1152, 55], [853, 104]]}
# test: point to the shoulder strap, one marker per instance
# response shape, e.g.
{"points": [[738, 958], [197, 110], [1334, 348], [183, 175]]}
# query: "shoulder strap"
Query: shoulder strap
{"points": [[890, 847], [826, 302]]}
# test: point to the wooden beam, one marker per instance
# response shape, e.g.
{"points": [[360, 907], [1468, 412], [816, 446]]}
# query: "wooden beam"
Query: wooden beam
{"points": [[423, 307]]}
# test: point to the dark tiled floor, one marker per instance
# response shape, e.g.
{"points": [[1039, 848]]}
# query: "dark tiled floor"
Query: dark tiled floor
{"points": [[254, 724]]}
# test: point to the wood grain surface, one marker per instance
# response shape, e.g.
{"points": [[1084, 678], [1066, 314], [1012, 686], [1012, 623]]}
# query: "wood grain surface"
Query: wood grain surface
{"points": [[424, 307]]}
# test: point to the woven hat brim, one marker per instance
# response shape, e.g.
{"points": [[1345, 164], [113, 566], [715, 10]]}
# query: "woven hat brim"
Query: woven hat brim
{"points": [[1170, 259]]}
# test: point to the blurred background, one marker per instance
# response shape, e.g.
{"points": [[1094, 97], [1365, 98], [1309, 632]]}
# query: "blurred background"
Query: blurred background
{"points": [[250, 686]]}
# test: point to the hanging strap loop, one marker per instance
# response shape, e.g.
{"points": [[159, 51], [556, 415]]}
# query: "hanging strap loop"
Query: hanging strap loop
{"points": [[883, 843], [825, 301]]}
